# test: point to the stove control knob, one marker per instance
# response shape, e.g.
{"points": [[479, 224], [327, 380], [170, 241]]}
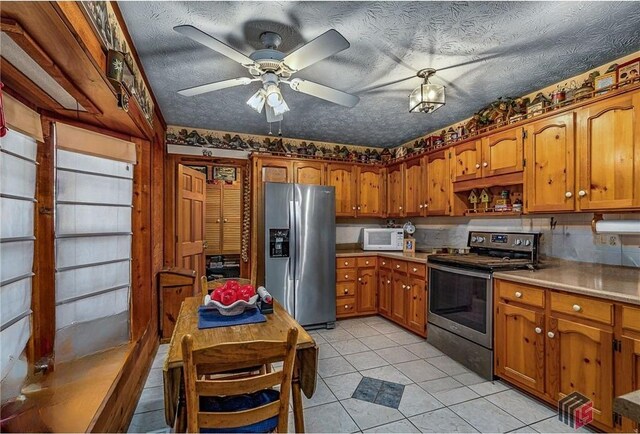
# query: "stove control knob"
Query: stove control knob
{"points": [[518, 242], [481, 239], [474, 239], [527, 242]]}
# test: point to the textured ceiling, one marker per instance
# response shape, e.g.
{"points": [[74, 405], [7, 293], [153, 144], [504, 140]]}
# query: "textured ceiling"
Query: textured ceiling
{"points": [[505, 49]]}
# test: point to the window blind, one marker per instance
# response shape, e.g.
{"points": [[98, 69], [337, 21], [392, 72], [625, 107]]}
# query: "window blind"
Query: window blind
{"points": [[93, 248], [17, 207]]}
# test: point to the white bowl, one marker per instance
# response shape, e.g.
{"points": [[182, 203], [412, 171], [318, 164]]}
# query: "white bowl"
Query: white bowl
{"points": [[235, 308]]}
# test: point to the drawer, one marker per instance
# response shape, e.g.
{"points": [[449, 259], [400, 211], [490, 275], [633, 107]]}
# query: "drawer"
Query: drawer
{"points": [[345, 262], [366, 262], [520, 293], [385, 263], [399, 266], [416, 269], [631, 318], [346, 274], [582, 307], [345, 289], [346, 306]]}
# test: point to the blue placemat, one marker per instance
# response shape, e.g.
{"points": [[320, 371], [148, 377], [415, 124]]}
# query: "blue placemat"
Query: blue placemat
{"points": [[209, 318]]}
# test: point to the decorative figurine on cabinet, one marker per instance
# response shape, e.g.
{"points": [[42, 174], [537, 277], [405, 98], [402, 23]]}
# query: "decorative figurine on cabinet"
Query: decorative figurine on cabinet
{"points": [[485, 198], [474, 199]]}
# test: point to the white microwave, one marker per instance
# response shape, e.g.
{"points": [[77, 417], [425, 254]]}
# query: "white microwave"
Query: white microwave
{"points": [[382, 239]]}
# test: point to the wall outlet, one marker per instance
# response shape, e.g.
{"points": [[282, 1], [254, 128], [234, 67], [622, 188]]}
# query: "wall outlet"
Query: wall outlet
{"points": [[607, 240]]}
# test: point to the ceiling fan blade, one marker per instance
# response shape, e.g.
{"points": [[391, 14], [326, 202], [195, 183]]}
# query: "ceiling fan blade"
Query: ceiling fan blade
{"points": [[324, 92], [210, 87], [271, 115], [388, 83], [211, 42], [325, 45]]}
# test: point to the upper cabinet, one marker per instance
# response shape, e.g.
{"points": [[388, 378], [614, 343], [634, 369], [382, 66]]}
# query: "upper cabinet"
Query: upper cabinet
{"points": [[395, 190], [343, 178], [414, 188], [370, 189], [438, 183], [550, 159], [609, 154], [309, 172], [275, 170], [502, 153], [466, 161]]}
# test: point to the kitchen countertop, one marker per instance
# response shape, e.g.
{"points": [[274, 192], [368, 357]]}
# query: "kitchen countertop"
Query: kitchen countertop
{"points": [[414, 257], [598, 280], [628, 405]]}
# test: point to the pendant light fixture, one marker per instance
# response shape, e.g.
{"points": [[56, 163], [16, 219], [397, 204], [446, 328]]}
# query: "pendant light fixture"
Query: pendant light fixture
{"points": [[427, 97]]}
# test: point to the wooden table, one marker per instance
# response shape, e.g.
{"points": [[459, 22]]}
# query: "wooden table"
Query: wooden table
{"points": [[304, 375]]}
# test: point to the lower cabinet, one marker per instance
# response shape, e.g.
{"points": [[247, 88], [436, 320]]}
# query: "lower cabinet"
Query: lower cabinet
{"points": [[629, 360], [399, 298], [366, 296], [384, 292], [356, 286], [417, 312]]}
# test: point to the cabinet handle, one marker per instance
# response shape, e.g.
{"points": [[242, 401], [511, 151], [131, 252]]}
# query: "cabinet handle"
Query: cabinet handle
{"points": [[577, 308], [346, 262], [415, 269], [346, 290], [384, 263], [358, 208], [346, 306], [366, 262], [421, 206], [388, 282], [426, 205], [582, 193], [485, 164], [346, 276], [217, 220], [404, 286], [518, 294], [359, 279], [353, 208], [397, 265], [538, 330], [400, 208], [225, 220], [551, 335], [568, 194], [477, 165]]}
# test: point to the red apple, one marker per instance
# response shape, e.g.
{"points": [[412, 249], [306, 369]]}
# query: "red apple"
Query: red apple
{"points": [[245, 293], [216, 295], [228, 297], [249, 289], [232, 284]]}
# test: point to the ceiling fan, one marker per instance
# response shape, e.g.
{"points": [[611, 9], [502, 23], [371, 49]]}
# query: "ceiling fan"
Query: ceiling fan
{"points": [[272, 67]]}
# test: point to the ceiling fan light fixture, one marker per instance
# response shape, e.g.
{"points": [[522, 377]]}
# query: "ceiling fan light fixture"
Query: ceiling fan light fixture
{"points": [[281, 109], [427, 97], [257, 101], [273, 95]]}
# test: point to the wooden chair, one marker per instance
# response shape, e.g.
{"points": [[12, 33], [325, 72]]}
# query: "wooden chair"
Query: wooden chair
{"points": [[223, 358], [204, 285]]}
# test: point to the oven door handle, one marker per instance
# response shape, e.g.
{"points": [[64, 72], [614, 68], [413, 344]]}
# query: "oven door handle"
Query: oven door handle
{"points": [[463, 271]]}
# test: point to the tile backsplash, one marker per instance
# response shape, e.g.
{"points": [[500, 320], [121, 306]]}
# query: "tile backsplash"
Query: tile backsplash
{"points": [[566, 236]]}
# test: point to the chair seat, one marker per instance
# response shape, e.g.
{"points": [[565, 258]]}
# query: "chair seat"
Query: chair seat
{"points": [[216, 404]]}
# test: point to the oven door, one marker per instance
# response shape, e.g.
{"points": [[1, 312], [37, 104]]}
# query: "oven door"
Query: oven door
{"points": [[461, 301]]}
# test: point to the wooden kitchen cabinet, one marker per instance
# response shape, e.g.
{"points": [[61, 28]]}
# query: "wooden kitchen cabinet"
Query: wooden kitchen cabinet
{"points": [[399, 298], [356, 286], [395, 190], [502, 153], [608, 144], [438, 183], [629, 360], [370, 192], [275, 170], [417, 305], [519, 350], [309, 172], [550, 164], [384, 292], [366, 294], [414, 188], [466, 161], [343, 178]]}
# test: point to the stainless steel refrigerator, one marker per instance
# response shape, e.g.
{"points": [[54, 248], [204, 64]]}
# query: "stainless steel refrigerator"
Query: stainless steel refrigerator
{"points": [[300, 250]]}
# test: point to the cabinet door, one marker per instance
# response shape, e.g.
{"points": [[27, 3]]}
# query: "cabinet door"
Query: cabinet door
{"points": [[370, 192], [609, 154], [579, 359], [231, 218], [308, 172], [413, 188], [502, 153], [342, 177], [438, 183], [467, 161], [395, 191], [275, 170], [549, 174], [384, 293], [399, 298], [417, 314], [519, 345], [366, 296], [630, 375], [213, 219]]}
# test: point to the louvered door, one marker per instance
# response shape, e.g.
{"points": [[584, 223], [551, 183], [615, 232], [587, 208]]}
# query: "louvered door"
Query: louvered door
{"points": [[231, 218], [213, 219]]}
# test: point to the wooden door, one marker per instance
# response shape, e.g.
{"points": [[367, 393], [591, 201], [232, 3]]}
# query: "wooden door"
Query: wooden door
{"points": [[502, 153], [309, 172], [438, 183], [384, 293], [579, 359], [467, 161], [231, 217], [519, 345], [366, 297], [399, 298], [370, 188], [343, 178], [549, 173], [190, 219], [395, 191], [413, 188], [213, 219], [609, 154], [417, 312]]}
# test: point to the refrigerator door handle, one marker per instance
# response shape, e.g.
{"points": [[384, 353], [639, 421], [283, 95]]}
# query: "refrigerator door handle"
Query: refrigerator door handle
{"points": [[298, 267], [293, 235]]}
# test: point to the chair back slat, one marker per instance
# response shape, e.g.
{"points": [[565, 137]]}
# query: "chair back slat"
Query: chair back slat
{"points": [[238, 386], [204, 285], [230, 419], [223, 358]]}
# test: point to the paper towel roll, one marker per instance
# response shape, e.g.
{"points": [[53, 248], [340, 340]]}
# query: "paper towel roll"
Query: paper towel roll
{"points": [[621, 227]]}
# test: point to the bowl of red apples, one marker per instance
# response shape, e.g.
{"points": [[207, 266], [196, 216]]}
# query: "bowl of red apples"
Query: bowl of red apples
{"points": [[231, 296]]}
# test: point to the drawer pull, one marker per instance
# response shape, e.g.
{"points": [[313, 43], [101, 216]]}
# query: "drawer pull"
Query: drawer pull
{"points": [[518, 294], [568, 194], [415, 269], [551, 335], [485, 164], [366, 262], [538, 330], [477, 165], [577, 308], [346, 262], [404, 286], [582, 193], [346, 290], [346, 306], [397, 265], [346, 276], [384, 263]]}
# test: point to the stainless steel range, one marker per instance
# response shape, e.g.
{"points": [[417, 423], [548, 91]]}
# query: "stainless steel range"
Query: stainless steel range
{"points": [[460, 318]]}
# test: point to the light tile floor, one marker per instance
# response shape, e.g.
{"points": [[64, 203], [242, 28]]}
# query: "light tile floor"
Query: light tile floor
{"points": [[440, 395]]}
